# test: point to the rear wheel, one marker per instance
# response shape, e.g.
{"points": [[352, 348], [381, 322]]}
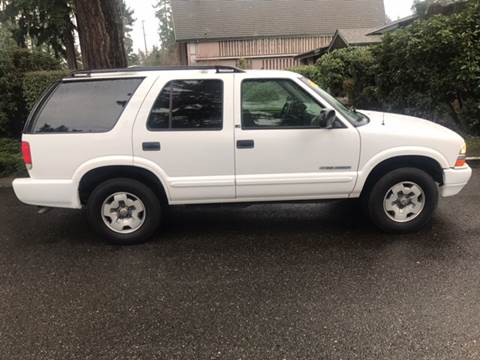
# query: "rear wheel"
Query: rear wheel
{"points": [[124, 211], [403, 200]]}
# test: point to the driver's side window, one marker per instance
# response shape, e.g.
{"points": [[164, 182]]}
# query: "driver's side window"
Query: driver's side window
{"points": [[278, 103]]}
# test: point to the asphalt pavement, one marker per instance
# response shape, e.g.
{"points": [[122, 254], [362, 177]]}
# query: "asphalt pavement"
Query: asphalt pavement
{"points": [[304, 281]]}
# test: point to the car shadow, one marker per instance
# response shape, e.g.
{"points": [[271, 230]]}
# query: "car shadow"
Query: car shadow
{"points": [[338, 224]]}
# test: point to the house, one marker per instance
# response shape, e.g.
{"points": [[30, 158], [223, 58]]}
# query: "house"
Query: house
{"points": [[354, 38], [265, 34]]}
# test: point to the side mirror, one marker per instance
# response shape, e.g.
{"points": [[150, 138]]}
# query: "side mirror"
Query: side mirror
{"points": [[329, 118]]}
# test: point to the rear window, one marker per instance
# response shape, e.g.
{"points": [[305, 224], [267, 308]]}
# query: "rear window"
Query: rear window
{"points": [[84, 106]]}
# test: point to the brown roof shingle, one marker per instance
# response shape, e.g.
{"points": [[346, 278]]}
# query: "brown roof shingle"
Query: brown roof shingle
{"points": [[216, 19], [359, 36]]}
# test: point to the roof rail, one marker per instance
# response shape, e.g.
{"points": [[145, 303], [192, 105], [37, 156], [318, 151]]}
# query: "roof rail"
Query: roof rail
{"points": [[218, 68]]}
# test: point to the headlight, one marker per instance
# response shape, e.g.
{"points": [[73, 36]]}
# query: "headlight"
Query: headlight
{"points": [[463, 151]]}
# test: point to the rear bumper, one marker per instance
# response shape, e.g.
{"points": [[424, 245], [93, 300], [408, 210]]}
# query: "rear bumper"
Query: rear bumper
{"points": [[454, 180], [47, 193]]}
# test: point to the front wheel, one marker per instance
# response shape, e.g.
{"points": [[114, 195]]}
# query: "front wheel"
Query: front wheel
{"points": [[124, 211], [403, 200]]}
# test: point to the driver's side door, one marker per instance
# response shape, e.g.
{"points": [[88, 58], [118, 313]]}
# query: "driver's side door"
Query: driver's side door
{"points": [[283, 151]]}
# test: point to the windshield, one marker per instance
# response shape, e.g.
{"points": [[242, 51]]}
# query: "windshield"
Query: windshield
{"points": [[354, 117]]}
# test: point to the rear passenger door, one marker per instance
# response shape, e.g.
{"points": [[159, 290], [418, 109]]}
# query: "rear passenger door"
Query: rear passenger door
{"points": [[184, 133]]}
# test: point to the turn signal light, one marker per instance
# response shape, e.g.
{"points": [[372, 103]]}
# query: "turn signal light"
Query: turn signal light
{"points": [[462, 158], [27, 155], [460, 162]]}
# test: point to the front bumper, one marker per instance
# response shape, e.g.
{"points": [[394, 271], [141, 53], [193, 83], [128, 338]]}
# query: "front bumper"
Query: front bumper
{"points": [[454, 180], [47, 193]]}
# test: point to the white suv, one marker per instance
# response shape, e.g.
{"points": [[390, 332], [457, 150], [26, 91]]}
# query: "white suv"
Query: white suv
{"points": [[125, 144]]}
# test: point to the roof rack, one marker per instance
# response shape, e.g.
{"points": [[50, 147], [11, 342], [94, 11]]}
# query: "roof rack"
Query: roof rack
{"points": [[218, 68]]}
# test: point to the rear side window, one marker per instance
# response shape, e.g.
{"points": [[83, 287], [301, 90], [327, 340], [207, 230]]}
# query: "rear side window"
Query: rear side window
{"points": [[85, 106], [188, 105]]}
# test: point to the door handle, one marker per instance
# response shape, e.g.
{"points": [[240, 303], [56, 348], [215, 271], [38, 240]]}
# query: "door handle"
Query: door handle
{"points": [[151, 146], [245, 144]]}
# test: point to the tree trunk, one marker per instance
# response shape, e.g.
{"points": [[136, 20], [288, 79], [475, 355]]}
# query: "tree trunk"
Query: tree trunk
{"points": [[100, 31]]}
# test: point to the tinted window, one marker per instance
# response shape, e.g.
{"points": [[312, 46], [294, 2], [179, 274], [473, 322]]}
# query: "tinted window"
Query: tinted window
{"points": [[188, 105], [278, 103], [85, 106]]}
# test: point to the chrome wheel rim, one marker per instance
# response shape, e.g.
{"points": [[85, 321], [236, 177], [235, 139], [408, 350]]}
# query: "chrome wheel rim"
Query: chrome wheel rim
{"points": [[123, 213], [404, 202]]}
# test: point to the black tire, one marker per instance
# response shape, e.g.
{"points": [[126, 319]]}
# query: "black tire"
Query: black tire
{"points": [[374, 200], [152, 214]]}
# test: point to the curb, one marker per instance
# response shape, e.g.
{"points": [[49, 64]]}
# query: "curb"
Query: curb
{"points": [[6, 183], [474, 162]]}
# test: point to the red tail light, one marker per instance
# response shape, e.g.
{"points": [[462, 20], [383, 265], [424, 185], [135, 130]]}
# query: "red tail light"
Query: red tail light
{"points": [[27, 155]]}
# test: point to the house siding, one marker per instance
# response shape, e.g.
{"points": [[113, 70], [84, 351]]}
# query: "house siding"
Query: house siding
{"points": [[257, 53]]}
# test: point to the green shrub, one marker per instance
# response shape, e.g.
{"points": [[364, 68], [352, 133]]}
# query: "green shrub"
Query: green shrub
{"points": [[432, 68], [14, 63], [35, 83], [346, 73], [260, 92], [310, 72], [11, 162], [350, 73]]}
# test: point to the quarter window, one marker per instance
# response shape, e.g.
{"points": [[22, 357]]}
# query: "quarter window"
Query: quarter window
{"points": [[278, 103], [188, 105], [85, 106]]}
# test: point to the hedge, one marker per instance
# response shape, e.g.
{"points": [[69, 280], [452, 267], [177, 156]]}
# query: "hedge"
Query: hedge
{"points": [[35, 83], [14, 63], [11, 162]]}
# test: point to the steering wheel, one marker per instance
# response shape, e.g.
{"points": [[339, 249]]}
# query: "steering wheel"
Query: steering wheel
{"points": [[324, 118]]}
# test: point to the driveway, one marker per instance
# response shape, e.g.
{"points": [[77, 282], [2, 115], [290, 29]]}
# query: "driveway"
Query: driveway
{"points": [[310, 281]]}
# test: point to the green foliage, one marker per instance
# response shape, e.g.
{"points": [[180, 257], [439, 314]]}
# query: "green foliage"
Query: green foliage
{"points": [[310, 72], [14, 63], [432, 68], [159, 57], [426, 8], [166, 31], [260, 92], [44, 22], [6, 40], [350, 73], [11, 162], [242, 63], [35, 83], [346, 73]]}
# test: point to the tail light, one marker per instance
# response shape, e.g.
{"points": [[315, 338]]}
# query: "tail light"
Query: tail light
{"points": [[27, 155], [462, 157]]}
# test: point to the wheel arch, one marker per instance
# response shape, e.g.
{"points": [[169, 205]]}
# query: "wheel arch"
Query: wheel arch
{"points": [[96, 176], [425, 163]]}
